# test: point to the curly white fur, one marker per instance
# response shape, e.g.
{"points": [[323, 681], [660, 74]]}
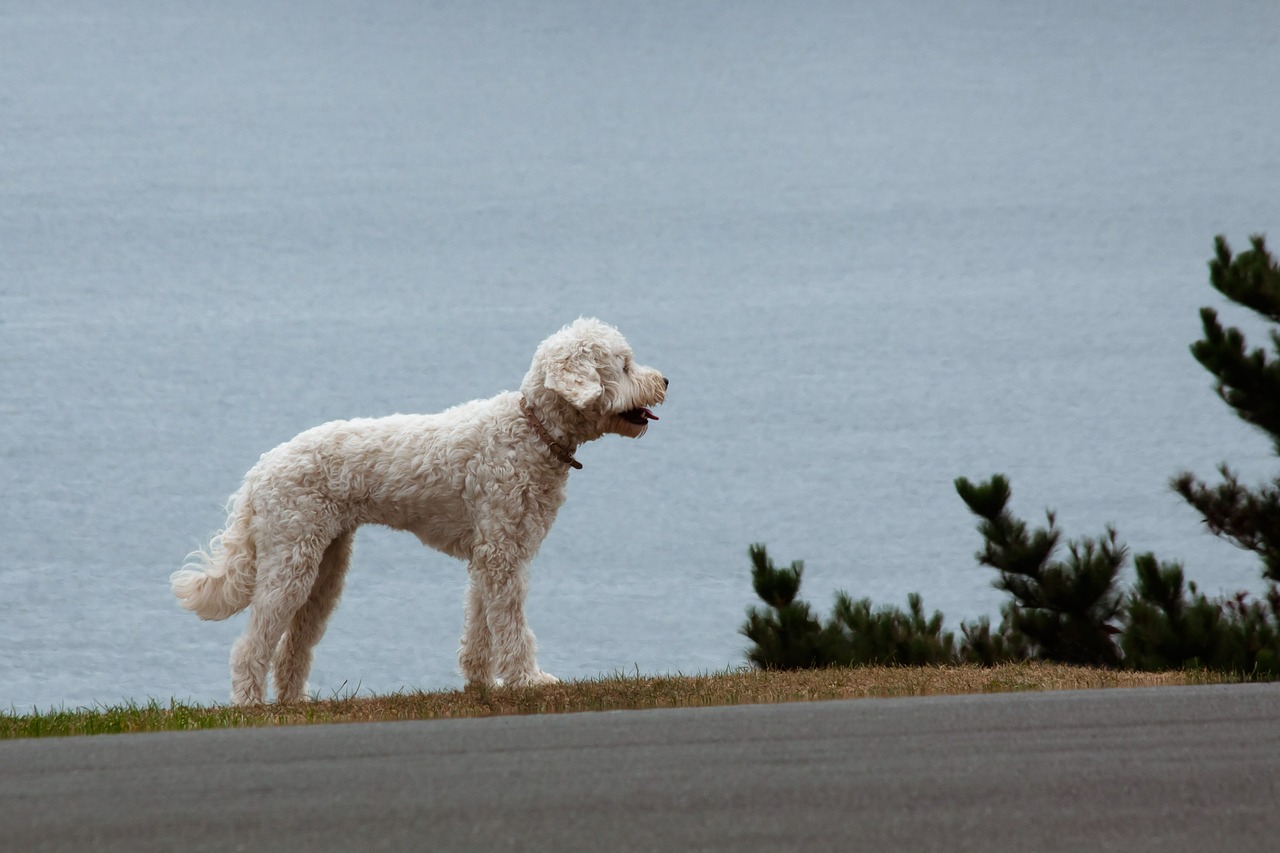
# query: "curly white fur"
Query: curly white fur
{"points": [[476, 481]]}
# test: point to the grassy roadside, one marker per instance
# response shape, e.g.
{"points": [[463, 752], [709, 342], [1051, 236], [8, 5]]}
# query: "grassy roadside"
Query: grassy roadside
{"points": [[610, 693]]}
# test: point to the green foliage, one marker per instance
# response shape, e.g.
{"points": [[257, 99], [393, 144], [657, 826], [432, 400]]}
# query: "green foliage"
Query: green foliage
{"points": [[1251, 279], [1249, 382], [1254, 632], [1165, 630], [1070, 610], [888, 635], [1064, 608], [980, 646], [1250, 518], [1064, 611], [1165, 627], [786, 635]]}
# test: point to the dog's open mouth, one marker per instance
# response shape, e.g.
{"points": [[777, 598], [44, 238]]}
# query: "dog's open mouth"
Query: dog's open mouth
{"points": [[639, 417]]}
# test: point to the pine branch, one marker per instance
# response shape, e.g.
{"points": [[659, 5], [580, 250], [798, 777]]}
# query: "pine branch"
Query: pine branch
{"points": [[1251, 279], [1247, 518], [1249, 382]]}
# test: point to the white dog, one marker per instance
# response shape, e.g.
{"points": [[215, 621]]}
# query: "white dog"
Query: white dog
{"points": [[481, 481]]}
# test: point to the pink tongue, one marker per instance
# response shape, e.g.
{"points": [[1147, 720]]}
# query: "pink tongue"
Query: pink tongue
{"points": [[649, 415]]}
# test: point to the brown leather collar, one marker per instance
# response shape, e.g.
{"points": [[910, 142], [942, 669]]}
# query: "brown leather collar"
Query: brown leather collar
{"points": [[558, 450]]}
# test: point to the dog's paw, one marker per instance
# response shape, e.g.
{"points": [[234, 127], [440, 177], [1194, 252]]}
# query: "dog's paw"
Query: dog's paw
{"points": [[537, 678]]}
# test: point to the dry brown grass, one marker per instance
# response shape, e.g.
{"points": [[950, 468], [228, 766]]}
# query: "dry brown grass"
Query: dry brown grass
{"points": [[742, 687], [747, 687]]}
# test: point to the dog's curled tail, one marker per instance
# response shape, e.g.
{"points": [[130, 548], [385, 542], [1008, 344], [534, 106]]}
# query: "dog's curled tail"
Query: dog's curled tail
{"points": [[218, 582]]}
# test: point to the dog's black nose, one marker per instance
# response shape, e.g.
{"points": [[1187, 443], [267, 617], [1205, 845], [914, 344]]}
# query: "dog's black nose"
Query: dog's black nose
{"points": [[666, 383]]}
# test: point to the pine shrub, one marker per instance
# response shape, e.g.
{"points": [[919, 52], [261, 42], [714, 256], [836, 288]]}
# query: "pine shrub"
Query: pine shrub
{"points": [[1070, 610], [785, 634], [1064, 608]]}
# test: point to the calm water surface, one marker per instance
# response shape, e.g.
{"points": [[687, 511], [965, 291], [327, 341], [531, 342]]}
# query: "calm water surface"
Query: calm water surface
{"points": [[875, 246]]}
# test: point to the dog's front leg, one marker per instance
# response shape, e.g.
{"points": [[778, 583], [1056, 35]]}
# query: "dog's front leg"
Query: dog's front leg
{"points": [[504, 582], [476, 653]]}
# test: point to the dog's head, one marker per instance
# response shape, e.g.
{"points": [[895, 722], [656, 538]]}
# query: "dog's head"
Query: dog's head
{"points": [[589, 366]]}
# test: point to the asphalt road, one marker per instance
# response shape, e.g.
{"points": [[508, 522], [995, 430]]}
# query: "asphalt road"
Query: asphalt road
{"points": [[1167, 769]]}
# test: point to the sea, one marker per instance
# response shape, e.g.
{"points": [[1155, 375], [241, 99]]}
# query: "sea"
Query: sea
{"points": [[875, 246]]}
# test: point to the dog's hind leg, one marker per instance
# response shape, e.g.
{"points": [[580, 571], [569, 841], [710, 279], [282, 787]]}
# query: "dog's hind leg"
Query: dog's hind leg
{"points": [[293, 656], [285, 579], [475, 655]]}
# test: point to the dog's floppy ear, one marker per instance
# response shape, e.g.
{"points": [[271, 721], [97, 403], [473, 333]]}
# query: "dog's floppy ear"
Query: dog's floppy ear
{"points": [[574, 377]]}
